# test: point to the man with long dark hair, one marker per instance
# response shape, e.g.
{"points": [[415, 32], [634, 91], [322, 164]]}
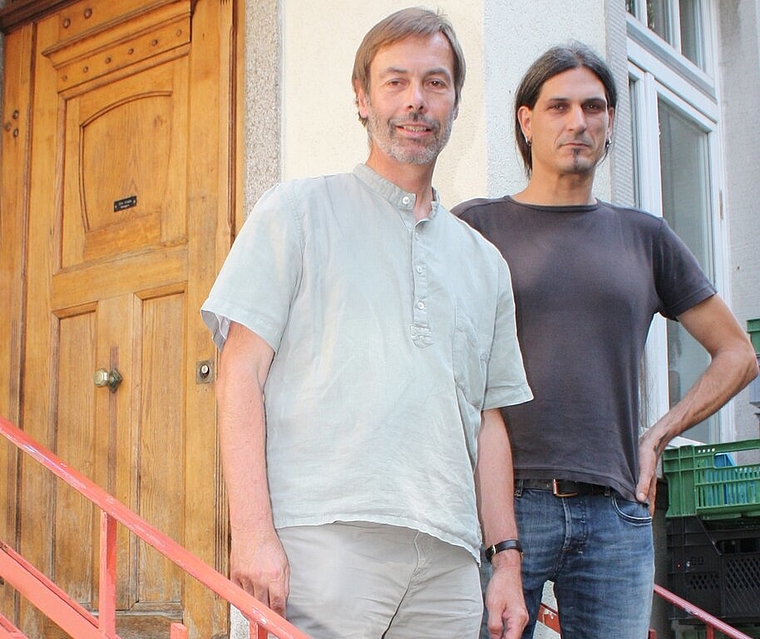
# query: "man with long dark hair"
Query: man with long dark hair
{"points": [[588, 278]]}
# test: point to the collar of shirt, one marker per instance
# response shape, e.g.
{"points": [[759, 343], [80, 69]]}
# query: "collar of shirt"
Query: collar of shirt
{"points": [[400, 199]]}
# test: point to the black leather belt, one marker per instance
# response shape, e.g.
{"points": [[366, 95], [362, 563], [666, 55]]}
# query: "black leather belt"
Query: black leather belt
{"points": [[562, 487]]}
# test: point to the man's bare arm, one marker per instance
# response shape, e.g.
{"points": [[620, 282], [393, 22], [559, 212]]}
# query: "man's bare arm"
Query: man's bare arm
{"points": [[732, 366], [494, 485], [257, 559]]}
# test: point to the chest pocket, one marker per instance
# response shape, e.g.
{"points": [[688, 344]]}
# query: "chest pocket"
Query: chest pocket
{"points": [[470, 362]]}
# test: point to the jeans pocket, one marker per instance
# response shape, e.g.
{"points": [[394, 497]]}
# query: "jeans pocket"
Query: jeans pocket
{"points": [[633, 512]]}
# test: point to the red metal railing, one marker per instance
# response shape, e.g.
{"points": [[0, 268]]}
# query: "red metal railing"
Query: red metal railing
{"points": [[77, 621], [550, 618], [711, 623], [71, 616]]}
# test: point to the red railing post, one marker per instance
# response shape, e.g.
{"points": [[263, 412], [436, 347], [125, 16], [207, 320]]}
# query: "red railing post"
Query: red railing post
{"points": [[107, 589]]}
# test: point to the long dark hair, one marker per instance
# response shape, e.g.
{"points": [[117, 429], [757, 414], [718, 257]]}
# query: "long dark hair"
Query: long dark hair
{"points": [[557, 60]]}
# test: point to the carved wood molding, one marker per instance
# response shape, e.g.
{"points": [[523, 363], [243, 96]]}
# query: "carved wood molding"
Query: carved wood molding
{"points": [[17, 13], [97, 41]]}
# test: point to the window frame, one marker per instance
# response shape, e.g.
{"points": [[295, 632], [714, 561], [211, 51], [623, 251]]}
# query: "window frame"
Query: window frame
{"points": [[672, 45], [656, 71]]}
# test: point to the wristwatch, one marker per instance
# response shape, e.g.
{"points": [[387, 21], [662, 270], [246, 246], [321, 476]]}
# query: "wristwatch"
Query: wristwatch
{"points": [[507, 544]]}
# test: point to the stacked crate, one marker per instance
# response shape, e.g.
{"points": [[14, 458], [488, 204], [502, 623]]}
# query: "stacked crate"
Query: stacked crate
{"points": [[713, 529], [700, 632]]}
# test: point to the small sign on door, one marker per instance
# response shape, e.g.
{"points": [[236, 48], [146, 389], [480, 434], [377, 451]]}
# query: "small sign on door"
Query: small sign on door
{"points": [[125, 203]]}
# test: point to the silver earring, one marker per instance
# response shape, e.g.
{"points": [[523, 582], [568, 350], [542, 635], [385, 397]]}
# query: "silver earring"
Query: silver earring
{"points": [[527, 141], [607, 143]]}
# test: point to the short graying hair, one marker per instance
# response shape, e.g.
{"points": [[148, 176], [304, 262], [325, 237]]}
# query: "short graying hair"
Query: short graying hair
{"points": [[406, 23]]}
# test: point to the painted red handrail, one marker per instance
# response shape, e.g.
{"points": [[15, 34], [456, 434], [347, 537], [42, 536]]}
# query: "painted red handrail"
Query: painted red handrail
{"points": [[263, 620], [8, 630], [550, 618], [711, 623]]}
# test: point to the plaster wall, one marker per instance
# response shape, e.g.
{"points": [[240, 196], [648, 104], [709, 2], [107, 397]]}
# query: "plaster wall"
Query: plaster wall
{"points": [[739, 73], [320, 130]]}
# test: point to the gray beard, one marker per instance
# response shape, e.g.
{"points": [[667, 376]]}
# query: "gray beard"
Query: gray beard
{"points": [[401, 151]]}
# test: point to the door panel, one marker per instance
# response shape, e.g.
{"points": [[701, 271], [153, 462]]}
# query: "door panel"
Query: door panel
{"points": [[161, 445], [74, 516], [130, 180], [124, 144]]}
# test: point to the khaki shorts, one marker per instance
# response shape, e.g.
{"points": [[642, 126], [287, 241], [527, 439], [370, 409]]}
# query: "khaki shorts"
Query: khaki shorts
{"points": [[361, 580]]}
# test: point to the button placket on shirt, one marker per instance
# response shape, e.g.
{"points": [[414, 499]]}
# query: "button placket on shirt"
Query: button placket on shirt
{"points": [[421, 320], [420, 326]]}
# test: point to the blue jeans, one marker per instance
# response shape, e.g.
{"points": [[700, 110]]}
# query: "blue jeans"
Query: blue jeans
{"points": [[598, 551]]}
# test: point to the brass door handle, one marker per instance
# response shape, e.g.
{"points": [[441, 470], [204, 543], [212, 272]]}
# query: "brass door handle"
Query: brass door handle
{"points": [[112, 378]]}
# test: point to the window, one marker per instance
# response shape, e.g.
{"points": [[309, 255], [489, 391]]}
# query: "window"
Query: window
{"points": [[684, 159], [674, 110], [679, 23]]}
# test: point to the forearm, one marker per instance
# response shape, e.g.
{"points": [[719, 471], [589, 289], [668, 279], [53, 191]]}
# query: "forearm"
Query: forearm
{"points": [[494, 480], [242, 436], [257, 559], [494, 485], [242, 432], [730, 370], [732, 366]]}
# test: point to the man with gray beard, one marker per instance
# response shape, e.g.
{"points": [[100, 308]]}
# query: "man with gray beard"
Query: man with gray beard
{"points": [[380, 329]]}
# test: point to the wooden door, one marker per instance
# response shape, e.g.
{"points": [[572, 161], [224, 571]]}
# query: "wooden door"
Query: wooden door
{"points": [[130, 187]]}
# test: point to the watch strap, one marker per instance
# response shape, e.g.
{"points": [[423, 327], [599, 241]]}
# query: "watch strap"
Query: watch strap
{"points": [[507, 544]]}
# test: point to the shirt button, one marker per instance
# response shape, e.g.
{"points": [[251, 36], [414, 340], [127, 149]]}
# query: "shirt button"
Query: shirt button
{"points": [[416, 235], [420, 269], [420, 305], [406, 199]]}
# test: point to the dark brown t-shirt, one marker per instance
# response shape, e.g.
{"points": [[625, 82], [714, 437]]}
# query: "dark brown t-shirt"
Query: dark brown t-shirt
{"points": [[587, 281]]}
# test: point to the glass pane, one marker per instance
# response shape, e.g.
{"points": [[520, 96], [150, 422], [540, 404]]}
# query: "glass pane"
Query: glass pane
{"points": [[658, 17], [687, 208], [629, 7], [691, 32]]}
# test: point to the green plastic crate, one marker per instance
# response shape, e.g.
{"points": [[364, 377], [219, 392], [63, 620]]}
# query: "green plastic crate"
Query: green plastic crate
{"points": [[753, 328], [703, 481], [700, 632]]}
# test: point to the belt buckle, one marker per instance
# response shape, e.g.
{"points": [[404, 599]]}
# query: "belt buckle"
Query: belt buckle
{"points": [[556, 492]]}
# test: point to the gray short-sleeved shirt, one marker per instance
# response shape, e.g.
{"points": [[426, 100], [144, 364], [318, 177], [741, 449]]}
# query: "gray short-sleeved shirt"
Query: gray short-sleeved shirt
{"points": [[390, 337]]}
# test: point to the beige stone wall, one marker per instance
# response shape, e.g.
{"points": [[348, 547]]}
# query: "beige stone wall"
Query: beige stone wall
{"points": [[306, 50]]}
